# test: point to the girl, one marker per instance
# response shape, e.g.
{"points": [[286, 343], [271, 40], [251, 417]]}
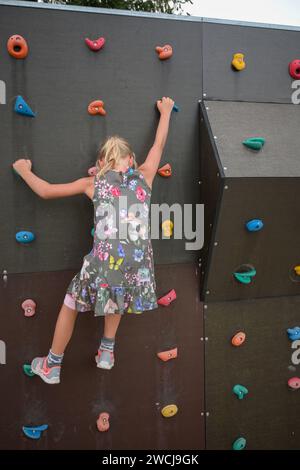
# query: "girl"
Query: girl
{"points": [[117, 276]]}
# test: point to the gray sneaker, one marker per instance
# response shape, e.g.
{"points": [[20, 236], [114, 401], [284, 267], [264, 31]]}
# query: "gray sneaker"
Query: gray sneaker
{"points": [[105, 359], [50, 375]]}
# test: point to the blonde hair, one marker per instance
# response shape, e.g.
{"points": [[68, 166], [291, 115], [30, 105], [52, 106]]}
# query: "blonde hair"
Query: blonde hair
{"points": [[111, 153]]}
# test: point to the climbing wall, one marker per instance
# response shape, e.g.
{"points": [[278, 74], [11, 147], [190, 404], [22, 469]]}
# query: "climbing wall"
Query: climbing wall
{"points": [[58, 80]]}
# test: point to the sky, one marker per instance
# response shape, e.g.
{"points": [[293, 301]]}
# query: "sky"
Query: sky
{"points": [[285, 12]]}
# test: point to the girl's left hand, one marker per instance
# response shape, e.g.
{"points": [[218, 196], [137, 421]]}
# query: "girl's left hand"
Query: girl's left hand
{"points": [[22, 165]]}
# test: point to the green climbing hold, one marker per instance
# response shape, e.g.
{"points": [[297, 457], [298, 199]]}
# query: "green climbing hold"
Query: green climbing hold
{"points": [[27, 370], [240, 391], [254, 143], [245, 277], [239, 444]]}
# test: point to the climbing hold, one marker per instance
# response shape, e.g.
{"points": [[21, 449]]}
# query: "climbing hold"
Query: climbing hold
{"points": [[25, 237], [297, 270], [167, 299], [294, 383], [17, 47], [92, 232], [175, 108], [34, 432], [239, 444], [254, 143], [167, 228], [164, 52], [294, 69], [238, 339], [27, 370], [93, 171], [167, 355], [165, 170], [96, 107], [169, 410], [95, 44], [29, 307], [245, 277], [238, 62], [254, 225], [21, 107], [103, 422], [240, 391], [293, 333]]}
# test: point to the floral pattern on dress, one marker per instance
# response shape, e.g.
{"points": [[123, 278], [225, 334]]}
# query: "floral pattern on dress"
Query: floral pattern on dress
{"points": [[117, 276]]}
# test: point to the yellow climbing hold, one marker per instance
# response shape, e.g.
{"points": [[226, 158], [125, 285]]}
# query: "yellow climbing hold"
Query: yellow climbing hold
{"points": [[169, 410], [297, 270], [238, 61], [167, 228]]}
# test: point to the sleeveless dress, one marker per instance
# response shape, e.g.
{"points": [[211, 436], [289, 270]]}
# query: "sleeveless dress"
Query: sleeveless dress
{"points": [[117, 276]]}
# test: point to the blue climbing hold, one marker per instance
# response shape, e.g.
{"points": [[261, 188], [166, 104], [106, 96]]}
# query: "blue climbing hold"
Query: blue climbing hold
{"points": [[293, 333], [175, 108], [245, 277], [34, 432], [21, 107], [240, 391], [239, 444], [25, 237], [254, 225]]}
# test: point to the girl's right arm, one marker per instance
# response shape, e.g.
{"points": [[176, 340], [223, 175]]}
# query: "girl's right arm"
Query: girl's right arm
{"points": [[51, 191]]}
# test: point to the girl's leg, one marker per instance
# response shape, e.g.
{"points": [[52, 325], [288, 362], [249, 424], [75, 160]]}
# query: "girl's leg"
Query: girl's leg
{"points": [[63, 329], [105, 358]]}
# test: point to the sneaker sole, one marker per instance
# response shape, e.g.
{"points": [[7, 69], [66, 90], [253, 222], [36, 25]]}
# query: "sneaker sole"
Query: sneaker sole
{"points": [[45, 379], [104, 365]]}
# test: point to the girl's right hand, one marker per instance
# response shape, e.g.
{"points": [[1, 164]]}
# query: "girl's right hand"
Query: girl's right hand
{"points": [[22, 165], [165, 105]]}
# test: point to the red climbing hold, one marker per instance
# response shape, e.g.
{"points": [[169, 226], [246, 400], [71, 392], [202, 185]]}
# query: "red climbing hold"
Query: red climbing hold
{"points": [[167, 355], [294, 69], [294, 383], [92, 171], [164, 52], [96, 107], [238, 339], [165, 170], [17, 47], [167, 299], [103, 422], [95, 44], [29, 307]]}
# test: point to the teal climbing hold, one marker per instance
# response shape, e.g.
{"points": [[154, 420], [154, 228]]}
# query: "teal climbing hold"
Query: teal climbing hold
{"points": [[27, 370], [240, 391], [175, 108], [92, 232], [21, 107], [239, 444], [245, 277], [34, 432], [254, 143], [25, 237]]}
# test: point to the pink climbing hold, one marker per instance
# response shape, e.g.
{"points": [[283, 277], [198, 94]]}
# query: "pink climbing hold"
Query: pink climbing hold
{"points": [[92, 171], [29, 307], [96, 44], [294, 383], [103, 422], [167, 299]]}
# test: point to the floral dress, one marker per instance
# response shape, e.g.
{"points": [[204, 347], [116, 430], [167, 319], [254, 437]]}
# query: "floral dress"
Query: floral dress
{"points": [[117, 276]]}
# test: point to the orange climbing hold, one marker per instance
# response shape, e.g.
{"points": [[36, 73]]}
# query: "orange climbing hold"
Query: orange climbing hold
{"points": [[96, 107], [167, 355], [165, 170], [29, 307], [238, 339], [17, 47], [103, 422], [164, 52]]}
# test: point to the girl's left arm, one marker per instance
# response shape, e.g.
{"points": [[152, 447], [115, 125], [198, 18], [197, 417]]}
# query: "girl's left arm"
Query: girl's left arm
{"points": [[51, 191]]}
